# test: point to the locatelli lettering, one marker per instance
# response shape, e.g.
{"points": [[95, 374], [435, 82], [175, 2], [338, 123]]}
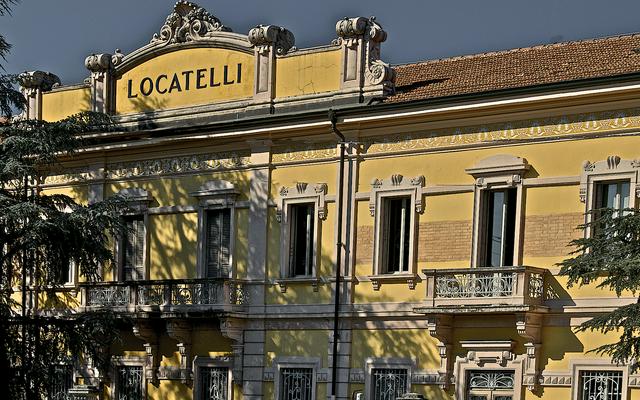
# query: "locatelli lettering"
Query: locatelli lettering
{"points": [[198, 79]]}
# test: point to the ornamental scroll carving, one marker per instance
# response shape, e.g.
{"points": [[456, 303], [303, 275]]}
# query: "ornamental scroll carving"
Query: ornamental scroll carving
{"points": [[397, 185], [353, 31], [264, 36], [302, 190], [188, 22], [38, 80], [613, 167]]}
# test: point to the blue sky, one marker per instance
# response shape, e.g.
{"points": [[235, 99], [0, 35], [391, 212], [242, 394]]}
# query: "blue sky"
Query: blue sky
{"points": [[56, 35]]}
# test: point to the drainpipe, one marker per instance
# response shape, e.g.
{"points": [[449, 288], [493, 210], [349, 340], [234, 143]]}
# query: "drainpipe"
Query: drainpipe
{"points": [[339, 245]]}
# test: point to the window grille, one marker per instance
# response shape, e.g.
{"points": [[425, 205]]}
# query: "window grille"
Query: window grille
{"points": [[130, 380], [296, 384], [389, 383], [61, 382], [214, 383], [600, 385], [133, 246], [301, 242], [490, 385], [218, 243], [396, 227]]}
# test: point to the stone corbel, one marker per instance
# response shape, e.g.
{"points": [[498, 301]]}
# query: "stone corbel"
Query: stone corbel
{"points": [[314, 192], [180, 331], [33, 84], [360, 39], [268, 41], [529, 326], [145, 332], [440, 326], [233, 328], [101, 81]]}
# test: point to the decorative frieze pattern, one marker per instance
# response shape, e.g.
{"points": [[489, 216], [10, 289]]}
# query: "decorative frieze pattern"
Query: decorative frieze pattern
{"points": [[566, 125], [305, 153], [176, 165]]}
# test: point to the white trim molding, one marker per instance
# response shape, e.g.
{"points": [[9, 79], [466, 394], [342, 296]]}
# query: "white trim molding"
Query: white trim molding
{"points": [[215, 195], [501, 171], [301, 193], [381, 189], [577, 366]]}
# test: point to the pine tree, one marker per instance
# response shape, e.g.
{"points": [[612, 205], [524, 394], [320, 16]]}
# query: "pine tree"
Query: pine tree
{"points": [[40, 236], [610, 259]]}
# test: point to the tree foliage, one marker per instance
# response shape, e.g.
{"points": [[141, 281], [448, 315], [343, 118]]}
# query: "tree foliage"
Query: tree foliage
{"points": [[41, 234], [610, 259]]}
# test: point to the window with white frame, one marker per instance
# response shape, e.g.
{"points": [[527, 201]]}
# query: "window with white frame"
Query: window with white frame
{"points": [[296, 384], [388, 383], [395, 245], [216, 228], [600, 385], [610, 183], [218, 243], [301, 209], [498, 210], [130, 381], [301, 244], [394, 203], [497, 225]]}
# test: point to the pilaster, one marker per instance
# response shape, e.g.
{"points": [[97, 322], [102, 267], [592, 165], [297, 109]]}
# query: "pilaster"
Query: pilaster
{"points": [[33, 84], [268, 41], [102, 82]]}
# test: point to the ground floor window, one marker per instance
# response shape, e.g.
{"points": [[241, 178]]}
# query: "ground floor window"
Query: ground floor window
{"points": [[388, 383], [600, 385], [296, 384], [130, 381], [61, 381], [490, 385], [214, 383]]}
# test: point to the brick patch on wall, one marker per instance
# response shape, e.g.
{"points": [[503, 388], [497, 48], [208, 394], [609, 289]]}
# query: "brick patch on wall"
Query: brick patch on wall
{"points": [[549, 235], [445, 241]]}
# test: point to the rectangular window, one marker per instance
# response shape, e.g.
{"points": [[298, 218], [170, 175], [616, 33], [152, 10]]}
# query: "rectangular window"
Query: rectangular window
{"points": [[612, 195], [214, 383], [64, 275], [396, 225], [218, 240], [61, 382], [490, 385], [600, 385], [133, 248], [498, 227], [388, 383], [130, 381], [301, 240], [296, 384]]}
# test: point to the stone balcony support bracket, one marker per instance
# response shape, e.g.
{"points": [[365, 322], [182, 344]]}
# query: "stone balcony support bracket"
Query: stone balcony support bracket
{"points": [[180, 331], [145, 332], [440, 326], [233, 328], [529, 327]]}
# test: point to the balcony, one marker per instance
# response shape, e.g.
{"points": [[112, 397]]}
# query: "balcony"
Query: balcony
{"points": [[165, 296], [502, 289]]}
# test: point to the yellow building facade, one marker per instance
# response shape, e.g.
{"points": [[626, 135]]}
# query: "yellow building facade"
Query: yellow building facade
{"points": [[446, 192]]}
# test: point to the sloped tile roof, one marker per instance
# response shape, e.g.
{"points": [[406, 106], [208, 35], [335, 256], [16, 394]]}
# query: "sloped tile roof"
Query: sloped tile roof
{"points": [[518, 68]]}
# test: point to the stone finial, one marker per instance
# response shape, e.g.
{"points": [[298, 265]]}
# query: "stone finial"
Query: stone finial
{"points": [[263, 36], [42, 80], [188, 22], [98, 62], [360, 26]]}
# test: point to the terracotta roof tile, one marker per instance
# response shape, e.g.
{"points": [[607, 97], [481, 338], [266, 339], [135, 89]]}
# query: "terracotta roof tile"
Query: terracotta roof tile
{"points": [[517, 68]]}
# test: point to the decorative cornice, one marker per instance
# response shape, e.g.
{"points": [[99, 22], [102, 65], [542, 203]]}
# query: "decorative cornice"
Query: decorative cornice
{"points": [[188, 22], [304, 153], [263, 36]]}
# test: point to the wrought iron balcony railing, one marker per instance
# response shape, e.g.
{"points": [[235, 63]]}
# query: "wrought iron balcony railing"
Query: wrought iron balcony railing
{"points": [[501, 286], [164, 295]]}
